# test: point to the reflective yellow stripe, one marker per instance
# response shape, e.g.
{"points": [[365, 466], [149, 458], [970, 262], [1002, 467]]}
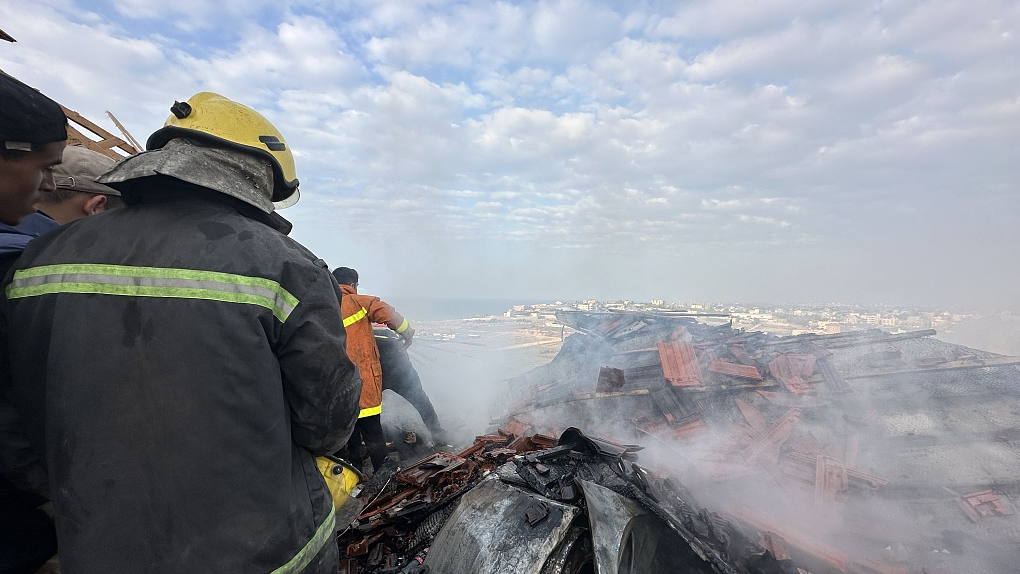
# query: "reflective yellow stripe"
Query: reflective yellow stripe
{"points": [[348, 321], [130, 281], [304, 557], [403, 326], [370, 412]]}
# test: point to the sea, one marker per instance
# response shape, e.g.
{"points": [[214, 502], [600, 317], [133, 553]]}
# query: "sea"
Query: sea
{"points": [[443, 309]]}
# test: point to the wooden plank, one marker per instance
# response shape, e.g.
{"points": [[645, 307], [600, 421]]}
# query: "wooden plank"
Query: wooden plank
{"points": [[127, 135], [107, 142]]}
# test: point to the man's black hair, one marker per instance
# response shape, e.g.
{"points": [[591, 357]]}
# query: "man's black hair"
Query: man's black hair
{"points": [[345, 275]]}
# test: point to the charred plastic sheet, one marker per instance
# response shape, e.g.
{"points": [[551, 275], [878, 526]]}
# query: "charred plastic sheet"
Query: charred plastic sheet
{"points": [[529, 505]]}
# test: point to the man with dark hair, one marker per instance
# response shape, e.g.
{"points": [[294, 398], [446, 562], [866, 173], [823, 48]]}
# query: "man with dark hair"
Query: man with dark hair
{"points": [[346, 276], [359, 312], [188, 444], [33, 133], [76, 195]]}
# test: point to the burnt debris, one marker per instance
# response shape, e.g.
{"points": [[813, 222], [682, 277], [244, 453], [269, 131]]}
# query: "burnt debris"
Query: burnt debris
{"points": [[861, 453], [848, 452]]}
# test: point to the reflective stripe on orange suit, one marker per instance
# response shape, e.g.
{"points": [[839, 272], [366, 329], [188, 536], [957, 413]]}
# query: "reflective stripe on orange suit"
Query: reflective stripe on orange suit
{"points": [[359, 312]]}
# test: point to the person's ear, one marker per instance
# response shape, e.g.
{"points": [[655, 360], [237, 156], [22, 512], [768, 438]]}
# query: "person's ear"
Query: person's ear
{"points": [[95, 204]]}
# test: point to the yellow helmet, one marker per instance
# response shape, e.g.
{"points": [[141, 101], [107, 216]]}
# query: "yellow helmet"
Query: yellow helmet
{"points": [[342, 480], [218, 120]]}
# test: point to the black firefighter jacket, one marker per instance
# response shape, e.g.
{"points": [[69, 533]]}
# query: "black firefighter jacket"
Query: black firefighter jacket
{"points": [[190, 361]]}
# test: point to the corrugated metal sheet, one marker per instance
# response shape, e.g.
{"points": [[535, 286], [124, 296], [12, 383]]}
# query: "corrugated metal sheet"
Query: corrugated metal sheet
{"points": [[734, 370], [680, 364]]}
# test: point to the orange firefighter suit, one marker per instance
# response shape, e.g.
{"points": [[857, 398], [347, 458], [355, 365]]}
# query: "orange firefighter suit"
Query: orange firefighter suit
{"points": [[359, 312]]}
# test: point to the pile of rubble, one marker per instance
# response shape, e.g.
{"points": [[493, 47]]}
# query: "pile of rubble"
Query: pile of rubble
{"points": [[407, 510], [538, 505], [862, 452]]}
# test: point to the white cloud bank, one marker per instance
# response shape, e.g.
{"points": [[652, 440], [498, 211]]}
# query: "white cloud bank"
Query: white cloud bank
{"points": [[725, 150]]}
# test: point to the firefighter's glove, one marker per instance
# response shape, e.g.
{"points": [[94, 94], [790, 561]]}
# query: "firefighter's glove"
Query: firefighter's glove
{"points": [[407, 335]]}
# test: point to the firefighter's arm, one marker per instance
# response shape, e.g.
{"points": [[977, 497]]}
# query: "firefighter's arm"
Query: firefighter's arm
{"points": [[321, 383], [381, 312]]}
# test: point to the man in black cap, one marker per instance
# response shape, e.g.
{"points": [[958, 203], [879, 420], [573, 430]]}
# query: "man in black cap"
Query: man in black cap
{"points": [[33, 133]]}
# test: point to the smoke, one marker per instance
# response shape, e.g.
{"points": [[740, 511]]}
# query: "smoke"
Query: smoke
{"points": [[898, 452], [464, 365]]}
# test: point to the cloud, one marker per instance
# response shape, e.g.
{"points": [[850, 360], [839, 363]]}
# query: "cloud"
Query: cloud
{"points": [[556, 139]]}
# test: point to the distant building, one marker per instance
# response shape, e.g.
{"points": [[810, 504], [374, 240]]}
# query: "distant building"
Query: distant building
{"points": [[830, 327]]}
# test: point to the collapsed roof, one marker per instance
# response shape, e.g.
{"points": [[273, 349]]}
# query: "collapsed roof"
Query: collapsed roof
{"points": [[863, 452]]}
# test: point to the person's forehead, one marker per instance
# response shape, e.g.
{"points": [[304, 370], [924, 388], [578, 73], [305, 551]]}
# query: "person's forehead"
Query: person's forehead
{"points": [[52, 153]]}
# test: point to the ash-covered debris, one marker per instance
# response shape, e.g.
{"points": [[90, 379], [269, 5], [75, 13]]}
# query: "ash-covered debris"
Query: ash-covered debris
{"points": [[860, 452], [534, 504]]}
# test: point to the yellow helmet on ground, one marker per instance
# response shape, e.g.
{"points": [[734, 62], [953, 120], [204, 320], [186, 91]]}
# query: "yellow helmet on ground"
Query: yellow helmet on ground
{"points": [[220, 121], [343, 481]]}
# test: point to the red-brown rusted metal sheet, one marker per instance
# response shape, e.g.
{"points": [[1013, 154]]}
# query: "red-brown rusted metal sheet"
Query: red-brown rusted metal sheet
{"points": [[680, 364], [791, 369], [766, 447], [868, 566], [753, 416], [983, 503], [517, 427], [609, 324], [800, 466], [740, 354], [775, 545], [802, 542], [734, 370], [418, 473], [830, 479]]}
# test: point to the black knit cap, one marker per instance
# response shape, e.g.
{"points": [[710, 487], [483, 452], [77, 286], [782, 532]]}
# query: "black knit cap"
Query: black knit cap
{"points": [[27, 116]]}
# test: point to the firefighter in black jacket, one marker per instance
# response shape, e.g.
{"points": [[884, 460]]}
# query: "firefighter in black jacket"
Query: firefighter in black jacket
{"points": [[189, 359]]}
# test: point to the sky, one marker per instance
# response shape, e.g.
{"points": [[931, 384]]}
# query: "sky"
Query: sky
{"points": [[725, 150]]}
